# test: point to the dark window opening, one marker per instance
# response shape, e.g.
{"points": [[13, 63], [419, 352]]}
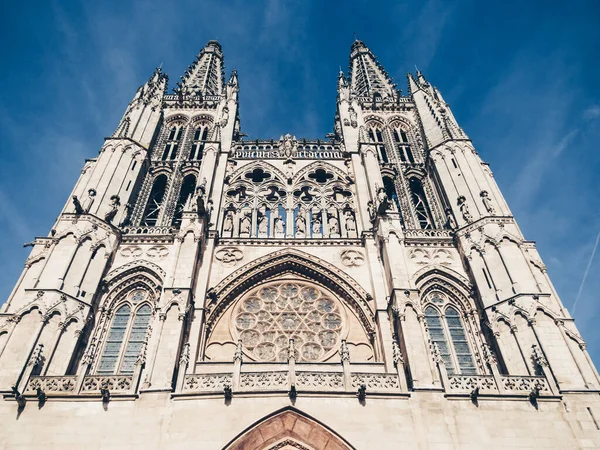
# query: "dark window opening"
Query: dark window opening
{"points": [[390, 190], [187, 190], [153, 207], [420, 203]]}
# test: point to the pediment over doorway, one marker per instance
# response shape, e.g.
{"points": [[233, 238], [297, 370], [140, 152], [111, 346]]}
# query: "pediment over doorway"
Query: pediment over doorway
{"points": [[288, 429]]}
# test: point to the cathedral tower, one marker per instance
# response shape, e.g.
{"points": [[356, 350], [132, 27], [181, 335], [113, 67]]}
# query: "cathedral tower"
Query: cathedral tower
{"points": [[371, 288]]}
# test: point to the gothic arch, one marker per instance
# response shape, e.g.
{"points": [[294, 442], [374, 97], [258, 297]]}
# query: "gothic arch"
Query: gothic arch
{"points": [[446, 280], [318, 165], [290, 261], [176, 119], [195, 120], [238, 175], [294, 429]]}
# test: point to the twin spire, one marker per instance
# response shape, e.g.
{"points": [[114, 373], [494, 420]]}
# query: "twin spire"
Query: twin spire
{"points": [[368, 78], [205, 75]]}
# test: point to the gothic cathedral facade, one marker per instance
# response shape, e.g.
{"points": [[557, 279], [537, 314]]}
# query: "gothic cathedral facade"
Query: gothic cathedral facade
{"points": [[370, 289]]}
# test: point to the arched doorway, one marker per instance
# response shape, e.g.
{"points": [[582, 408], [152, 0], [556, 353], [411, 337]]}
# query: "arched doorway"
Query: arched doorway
{"points": [[288, 429]]}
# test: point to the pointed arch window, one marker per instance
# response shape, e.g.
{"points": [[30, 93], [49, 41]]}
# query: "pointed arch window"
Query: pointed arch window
{"points": [[154, 205], [448, 334], [377, 137], [200, 138], [173, 140], [187, 190], [125, 339], [419, 200], [390, 190], [403, 146]]}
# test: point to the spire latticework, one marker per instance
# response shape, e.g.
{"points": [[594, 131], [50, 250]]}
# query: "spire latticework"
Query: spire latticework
{"points": [[205, 75], [367, 76]]}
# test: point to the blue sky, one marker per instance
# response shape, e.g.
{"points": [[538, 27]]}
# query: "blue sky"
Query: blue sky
{"points": [[521, 77]]}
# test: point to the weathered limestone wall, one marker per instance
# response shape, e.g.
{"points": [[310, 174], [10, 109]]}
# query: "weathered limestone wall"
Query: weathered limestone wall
{"points": [[425, 420]]}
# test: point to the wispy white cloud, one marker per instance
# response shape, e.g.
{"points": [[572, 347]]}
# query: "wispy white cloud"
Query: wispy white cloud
{"points": [[593, 112]]}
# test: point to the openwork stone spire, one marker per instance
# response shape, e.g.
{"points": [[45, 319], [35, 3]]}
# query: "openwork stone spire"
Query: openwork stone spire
{"points": [[367, 76], [206, 74]]}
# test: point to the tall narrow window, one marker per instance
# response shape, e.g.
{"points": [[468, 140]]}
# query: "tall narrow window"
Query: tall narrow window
{"points": [[200, 137], [377, 137], [135, 340], [420, 203], [125, 339], [187, 190], [449, 335], [390, 190], [155, 200], [172, 146], [438, 336], [114, 342], [459, 342], [403, 147]]}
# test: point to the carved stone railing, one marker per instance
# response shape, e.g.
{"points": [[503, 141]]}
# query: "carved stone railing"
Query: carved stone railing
{"points": [[376, 382], [510, 385], [149, 230], [53, 385], [439, 233], [467, 383], [209, 382], [114, 383], [320, 381], [269, 381], [525, 384]]}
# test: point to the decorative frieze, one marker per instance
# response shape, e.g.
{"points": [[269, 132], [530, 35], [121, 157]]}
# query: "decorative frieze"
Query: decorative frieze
{"points": [[114, 383], [60, 384]]}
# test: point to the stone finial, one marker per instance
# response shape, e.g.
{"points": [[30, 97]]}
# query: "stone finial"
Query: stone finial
{"points": [[538, 356], [184, 359], [396, 353], [238, 354]]}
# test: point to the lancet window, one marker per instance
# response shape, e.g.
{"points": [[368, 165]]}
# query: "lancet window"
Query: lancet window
{"points": [[173, 143], [155, 201], [422, 210], [448, 336], [186, 193], [403, 148], [199, 141], [376, 136], [126, 336]]}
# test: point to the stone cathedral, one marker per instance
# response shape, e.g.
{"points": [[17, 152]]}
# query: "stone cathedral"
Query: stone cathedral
{"points": [[367, 290]]}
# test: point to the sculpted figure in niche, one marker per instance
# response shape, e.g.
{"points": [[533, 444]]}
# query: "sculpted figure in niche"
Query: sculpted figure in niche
{"points": [[278, 225], [334, 226], [316, 225], [300, 223], [487, 202], [115, 202], [262, 221], [383, 203], [228, 222], [464, 209], [350, 222], [245, 223], [450, 220], [371, 210]]}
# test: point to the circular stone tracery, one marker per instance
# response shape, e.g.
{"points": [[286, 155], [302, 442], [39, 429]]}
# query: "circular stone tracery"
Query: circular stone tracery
{"points": [[266, 318]]}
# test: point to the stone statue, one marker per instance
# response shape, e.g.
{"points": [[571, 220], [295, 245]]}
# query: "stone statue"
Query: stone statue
{"points": [[334, 226], [300, 223], [350, 222], [262, 222], [115, 202], [77, 204], [450, 220], [487, 202], [371, 210], [383, 203], [353, 117], [199, 205], [225, 117], [464, 209], [245, 223], [278, 225], [316, 225], [228, 222]]}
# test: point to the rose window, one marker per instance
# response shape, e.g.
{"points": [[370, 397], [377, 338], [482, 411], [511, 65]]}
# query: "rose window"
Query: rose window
{"points": [[267, 318]]}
